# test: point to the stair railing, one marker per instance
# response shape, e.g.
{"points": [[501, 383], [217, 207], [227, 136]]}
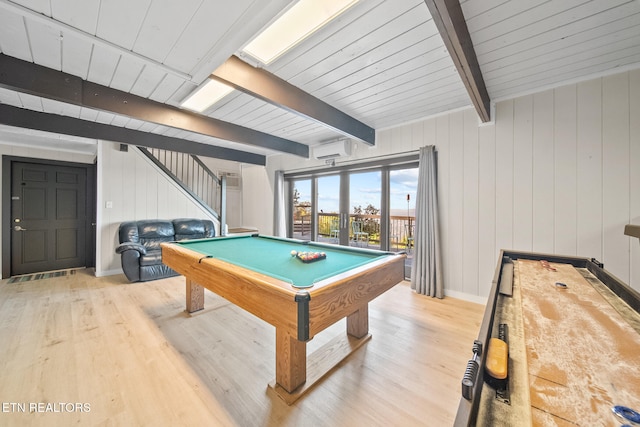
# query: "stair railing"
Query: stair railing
{"points": [[195, 178]]}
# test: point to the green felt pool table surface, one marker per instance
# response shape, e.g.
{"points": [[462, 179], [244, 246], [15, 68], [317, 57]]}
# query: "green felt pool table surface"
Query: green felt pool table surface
{"points": [[272, 256]]}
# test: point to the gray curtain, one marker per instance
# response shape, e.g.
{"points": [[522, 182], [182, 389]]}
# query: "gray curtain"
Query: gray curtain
{"points": [[279, 215], [426, 269]]}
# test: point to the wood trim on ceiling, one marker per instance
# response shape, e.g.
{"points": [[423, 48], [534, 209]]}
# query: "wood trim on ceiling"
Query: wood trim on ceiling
{"points": [[41, 81], [20, 117], [450, 21], [261, 84]]}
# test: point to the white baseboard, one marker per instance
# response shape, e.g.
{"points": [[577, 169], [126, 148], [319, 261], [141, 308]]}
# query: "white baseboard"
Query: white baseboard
{"points": [[466, 297], [109, 272]]}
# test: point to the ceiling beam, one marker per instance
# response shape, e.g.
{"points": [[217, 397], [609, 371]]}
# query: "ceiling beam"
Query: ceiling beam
{"points": [[29, 119], [41, 81], [449, 19], [272, 89]]}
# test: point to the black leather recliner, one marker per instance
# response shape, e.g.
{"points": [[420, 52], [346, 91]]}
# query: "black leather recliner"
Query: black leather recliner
{"points": [[140, 244]]}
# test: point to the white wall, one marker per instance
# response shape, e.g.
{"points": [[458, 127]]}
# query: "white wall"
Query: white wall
{"points": [[257, 198], [135, 190], [556, 172]]}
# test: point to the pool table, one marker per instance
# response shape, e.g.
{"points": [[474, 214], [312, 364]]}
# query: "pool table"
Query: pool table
{"points": [[261, 275]]}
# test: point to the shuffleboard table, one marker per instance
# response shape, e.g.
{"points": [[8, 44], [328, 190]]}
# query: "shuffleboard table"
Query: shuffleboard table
{"points": [[572, 331], [299, 287]]}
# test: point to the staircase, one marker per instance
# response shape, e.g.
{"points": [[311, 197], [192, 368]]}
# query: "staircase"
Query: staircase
{"points": [[195, 178]]}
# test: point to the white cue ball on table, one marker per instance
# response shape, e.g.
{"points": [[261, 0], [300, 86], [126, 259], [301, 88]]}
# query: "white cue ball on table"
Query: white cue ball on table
{"points": [[294, 253]]}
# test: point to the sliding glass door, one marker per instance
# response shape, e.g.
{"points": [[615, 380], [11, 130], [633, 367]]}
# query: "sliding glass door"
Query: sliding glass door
{"points": [[328, 214], [403, 185], [371, 208], [364, 208], [301, 208]]}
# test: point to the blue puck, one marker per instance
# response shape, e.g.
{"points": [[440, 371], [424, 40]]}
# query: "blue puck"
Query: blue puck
{"points": [[626, 413]]}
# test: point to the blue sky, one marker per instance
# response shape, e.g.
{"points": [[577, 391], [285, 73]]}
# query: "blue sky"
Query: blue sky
{"points": [[364, 190]]}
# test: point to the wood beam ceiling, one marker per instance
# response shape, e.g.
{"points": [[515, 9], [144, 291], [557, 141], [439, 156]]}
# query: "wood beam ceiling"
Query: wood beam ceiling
{"points": [[23, 118], [40, 81], [270, 88], [449, 19]]}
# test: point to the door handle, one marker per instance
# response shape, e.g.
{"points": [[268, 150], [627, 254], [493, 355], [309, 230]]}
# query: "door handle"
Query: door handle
{"points": [[19, 228]]}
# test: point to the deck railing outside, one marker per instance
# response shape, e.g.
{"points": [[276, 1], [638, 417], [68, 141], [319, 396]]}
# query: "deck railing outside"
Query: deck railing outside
{"points": [[400, 228]]}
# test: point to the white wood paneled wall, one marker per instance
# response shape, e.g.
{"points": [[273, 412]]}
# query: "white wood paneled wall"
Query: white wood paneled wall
{"points": [[556, 172], [258, 199], [136, 190]]}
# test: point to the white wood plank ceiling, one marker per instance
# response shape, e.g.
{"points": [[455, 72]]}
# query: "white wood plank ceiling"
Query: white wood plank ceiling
{"points": [[383, 62], [523, 46]]}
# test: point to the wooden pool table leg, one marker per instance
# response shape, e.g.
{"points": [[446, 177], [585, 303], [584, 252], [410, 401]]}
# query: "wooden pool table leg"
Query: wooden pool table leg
{"points": [[291, 361], [195, 296], [358, 322], [296, 373]]}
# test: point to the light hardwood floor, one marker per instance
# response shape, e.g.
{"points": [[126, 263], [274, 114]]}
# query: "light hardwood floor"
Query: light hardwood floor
{"points": [[131, 355]]}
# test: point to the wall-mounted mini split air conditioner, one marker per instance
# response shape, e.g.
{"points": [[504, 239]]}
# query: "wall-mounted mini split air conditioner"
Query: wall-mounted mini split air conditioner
{"points": [[332, 150]]}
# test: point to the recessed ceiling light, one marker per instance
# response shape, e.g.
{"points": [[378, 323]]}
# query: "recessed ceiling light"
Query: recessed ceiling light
{"points": [[296, 24], [210, 93]]}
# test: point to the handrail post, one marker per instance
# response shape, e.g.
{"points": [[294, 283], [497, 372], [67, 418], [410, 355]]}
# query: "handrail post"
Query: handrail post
{"points": [[223, 205]]}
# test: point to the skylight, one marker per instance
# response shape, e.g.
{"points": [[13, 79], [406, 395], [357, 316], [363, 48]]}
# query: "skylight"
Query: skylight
{"points": [[296, 24], [207, 95]]}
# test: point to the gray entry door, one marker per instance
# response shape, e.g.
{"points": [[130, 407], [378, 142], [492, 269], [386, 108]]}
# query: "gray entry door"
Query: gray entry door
{"points": [[48, 217]]}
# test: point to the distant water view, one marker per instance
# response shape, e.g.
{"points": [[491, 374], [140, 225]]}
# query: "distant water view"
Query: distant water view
{"points": [[365, 190]]}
